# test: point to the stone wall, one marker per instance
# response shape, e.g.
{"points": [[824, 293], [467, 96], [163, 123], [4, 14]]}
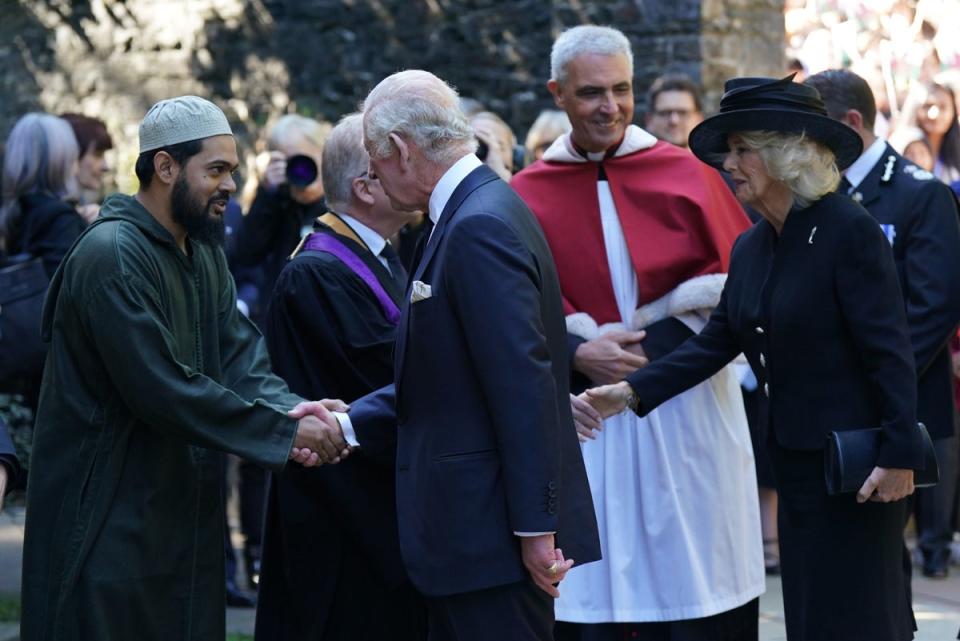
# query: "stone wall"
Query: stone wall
{"points": [[262, 58]]}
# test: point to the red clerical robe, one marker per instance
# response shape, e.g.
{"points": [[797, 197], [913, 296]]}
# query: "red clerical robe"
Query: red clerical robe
{"points": [[679, 219]]}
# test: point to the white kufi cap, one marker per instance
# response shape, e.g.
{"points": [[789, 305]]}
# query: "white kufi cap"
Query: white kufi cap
{"points": [[177, 120]]}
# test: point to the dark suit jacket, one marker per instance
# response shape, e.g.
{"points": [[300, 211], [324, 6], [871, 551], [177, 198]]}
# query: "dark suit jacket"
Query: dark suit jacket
{"points": [[919, 215], [819, 315], [485, 440]]}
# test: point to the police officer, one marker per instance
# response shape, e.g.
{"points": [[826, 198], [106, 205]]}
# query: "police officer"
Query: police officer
{"points": [[919, 216]]}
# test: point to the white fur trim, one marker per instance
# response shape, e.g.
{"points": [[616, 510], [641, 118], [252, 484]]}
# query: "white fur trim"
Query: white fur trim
{"points": [[582, 324], [634, 139], [697, 294]]}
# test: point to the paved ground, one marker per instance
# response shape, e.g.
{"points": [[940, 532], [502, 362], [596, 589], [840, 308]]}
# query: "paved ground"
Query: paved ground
{"points": [[936, 603]]}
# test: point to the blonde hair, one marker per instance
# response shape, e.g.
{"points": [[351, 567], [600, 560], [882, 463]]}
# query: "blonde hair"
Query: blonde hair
{"points": [[549, 125], [807, 167], [293, 126]]}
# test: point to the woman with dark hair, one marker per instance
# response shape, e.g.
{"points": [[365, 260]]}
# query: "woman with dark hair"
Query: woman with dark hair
{"points": [[93, 141], [813, 301], [937, 117], [39, 171]]}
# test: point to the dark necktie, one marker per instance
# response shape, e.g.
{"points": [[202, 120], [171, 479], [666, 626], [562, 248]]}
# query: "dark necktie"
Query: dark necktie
{"points": [[397, 271], [427, 230], [845, 186]]}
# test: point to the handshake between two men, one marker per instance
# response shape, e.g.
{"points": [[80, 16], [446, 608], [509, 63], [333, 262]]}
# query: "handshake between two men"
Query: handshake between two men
{"points": [[319, 439]]}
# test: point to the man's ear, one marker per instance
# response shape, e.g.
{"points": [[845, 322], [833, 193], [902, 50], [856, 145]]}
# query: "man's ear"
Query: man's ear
{"points": [[554, 87], [403, 149], [165, 168], [854, 119], [361, 190]]}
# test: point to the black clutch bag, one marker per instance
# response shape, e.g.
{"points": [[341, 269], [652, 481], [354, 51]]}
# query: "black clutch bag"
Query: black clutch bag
{"points": [[850, 457]]}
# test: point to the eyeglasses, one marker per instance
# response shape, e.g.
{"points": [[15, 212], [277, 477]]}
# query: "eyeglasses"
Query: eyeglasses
{"points": [[682, 114]]}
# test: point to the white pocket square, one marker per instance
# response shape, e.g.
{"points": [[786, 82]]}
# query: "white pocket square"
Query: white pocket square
{"points": [[420, 291]]}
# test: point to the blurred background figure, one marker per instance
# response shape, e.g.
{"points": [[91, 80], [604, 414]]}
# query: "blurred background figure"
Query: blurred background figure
{"points": [[39, 173], [549, 125], [288, 198], [936, 117], [93, 141], [36, 221], [9, 464], [913, 145], [497, 146], [675, 107]]}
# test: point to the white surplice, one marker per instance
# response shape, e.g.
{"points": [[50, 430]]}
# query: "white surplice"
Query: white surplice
{"points": [[675, 492]]}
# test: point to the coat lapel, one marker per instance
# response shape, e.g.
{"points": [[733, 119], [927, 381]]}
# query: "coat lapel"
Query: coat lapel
{"points": [[475, 179]]}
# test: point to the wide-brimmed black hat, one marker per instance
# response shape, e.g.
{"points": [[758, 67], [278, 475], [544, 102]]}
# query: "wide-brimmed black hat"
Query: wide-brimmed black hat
{"points": [[768, 104]]}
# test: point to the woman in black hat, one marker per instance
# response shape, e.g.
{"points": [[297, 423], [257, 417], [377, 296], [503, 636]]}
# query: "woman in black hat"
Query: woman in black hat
{"points": [[812, 299]]}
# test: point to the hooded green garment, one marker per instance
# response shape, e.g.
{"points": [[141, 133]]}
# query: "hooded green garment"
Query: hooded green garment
{"points": [[151, 372]]}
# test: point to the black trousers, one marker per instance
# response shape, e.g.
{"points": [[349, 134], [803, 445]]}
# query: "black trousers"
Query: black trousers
{"points": [[515, 612], [934, 506], [738, 624]]}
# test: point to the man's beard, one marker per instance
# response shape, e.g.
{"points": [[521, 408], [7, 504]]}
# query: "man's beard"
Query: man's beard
{"points": [[193, 216]]}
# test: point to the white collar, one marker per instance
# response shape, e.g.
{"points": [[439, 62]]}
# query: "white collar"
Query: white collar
{"points": [[448, 183], [374, 241], [862, 166], [634, 139]]}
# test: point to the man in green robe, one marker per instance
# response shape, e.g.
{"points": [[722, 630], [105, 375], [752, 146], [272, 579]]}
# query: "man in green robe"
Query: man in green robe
{"points": [[151, 373]]}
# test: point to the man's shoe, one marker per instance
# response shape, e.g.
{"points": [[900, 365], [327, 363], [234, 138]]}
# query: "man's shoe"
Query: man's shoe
{"points": [[237, 599], [936, 570]]}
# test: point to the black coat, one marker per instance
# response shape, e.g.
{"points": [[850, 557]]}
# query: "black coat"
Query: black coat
{"points": [[269, 233], [481, 412], [819, 315], [918, 213], [331, 558], [46, 228]]}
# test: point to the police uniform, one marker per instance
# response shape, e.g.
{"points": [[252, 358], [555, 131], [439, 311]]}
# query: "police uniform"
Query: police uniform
{"points": [[918, 215]]}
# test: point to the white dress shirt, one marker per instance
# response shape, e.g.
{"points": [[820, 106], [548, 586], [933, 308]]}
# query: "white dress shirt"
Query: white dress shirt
{"points": [[439, 198], [862, 166], [374, 241]]}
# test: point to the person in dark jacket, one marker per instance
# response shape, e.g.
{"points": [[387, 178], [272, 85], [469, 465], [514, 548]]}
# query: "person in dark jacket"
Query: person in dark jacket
{"points": [[281, 212], [151, 373], [39, 170], [36, 221], [814, 303]]}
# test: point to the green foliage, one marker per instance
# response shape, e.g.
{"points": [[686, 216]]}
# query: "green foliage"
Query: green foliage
{"points": [[10, 609], [233, 636], [19, 420]]}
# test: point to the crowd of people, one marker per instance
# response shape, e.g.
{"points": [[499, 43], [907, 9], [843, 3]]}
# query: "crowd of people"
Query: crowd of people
{"points": [[574, 388]]}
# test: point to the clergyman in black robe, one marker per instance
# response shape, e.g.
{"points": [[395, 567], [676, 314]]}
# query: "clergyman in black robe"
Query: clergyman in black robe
{"points": [[331, 561]]}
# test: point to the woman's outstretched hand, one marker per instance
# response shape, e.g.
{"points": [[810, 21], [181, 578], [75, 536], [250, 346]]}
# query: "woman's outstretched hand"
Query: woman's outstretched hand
{"points": [[608, 399]]}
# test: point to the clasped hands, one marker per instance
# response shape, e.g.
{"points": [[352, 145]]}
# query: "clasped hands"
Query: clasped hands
{"points": [[605, 360], [319, 439]]}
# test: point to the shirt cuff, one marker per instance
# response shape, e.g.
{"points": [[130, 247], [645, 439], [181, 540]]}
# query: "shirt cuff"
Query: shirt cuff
{"points": [[346, 426], [532, 533]]}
